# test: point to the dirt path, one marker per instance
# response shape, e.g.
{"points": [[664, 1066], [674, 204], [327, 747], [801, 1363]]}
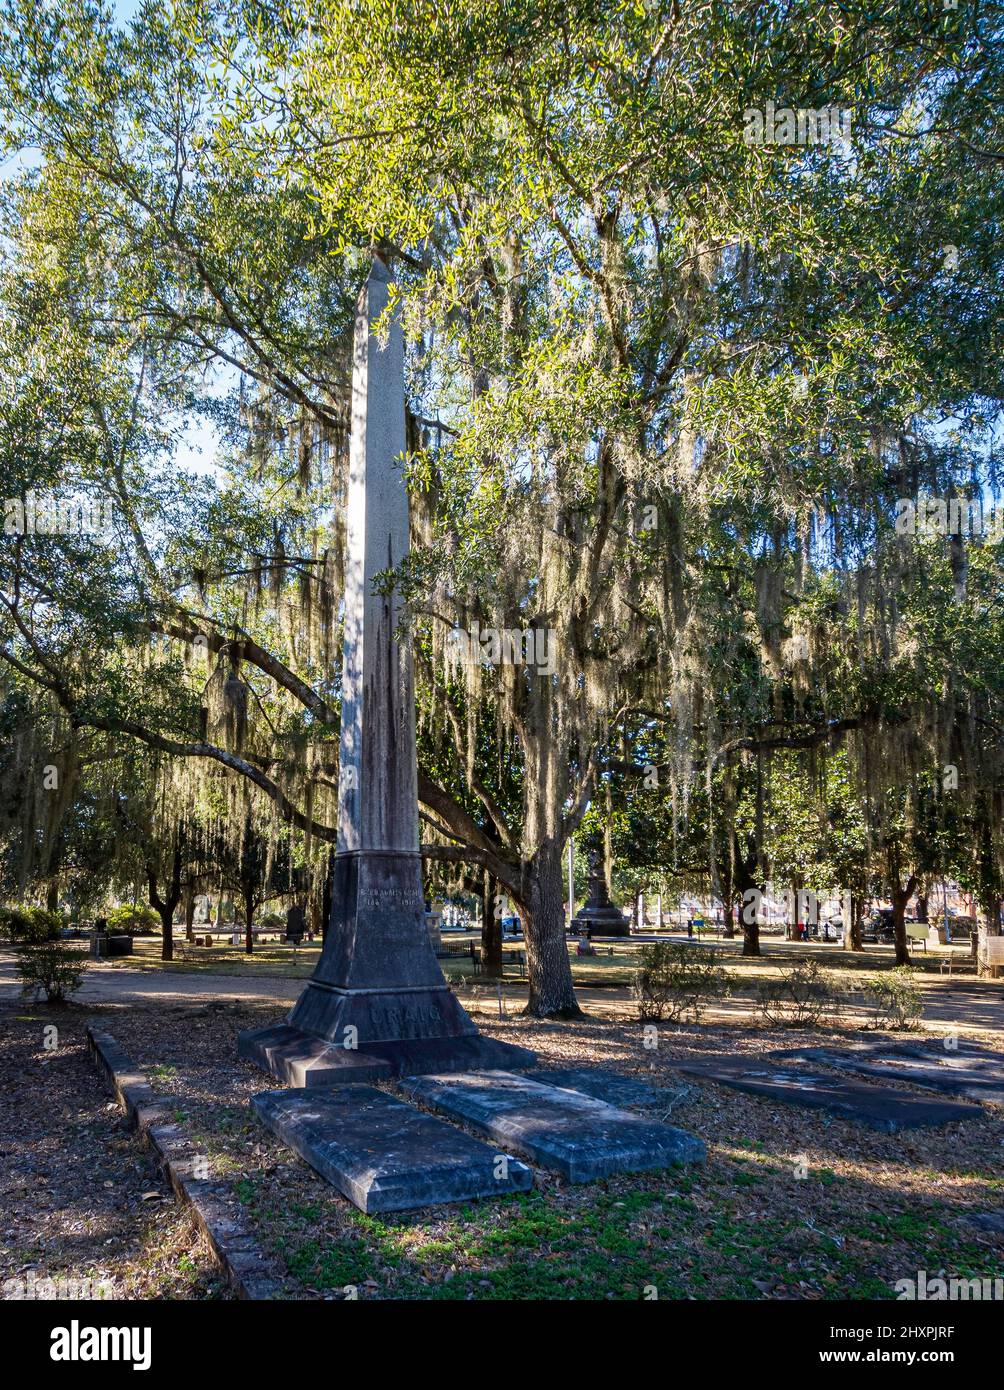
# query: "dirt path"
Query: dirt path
{"points": [[963, 1003]]}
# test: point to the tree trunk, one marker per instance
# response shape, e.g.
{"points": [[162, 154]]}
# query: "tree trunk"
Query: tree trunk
{"points": [[899, 902], [190, 912], [744, 867], [922, 907], [542, 912], [852, 927], [751, 938], [167, 934], [165, 906], [728, 919], [491, 929], [248, 925]]}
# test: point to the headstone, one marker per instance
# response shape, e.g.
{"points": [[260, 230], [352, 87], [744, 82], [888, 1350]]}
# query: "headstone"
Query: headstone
{"points": [[877, 1107], [385, 1155], [599, 915], [377, 985], [578, 1136]]}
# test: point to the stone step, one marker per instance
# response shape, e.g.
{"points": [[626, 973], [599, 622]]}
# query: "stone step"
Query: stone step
{"points": [[575, 1134], [303, 1059], [298, 1059], [383, 1154]]}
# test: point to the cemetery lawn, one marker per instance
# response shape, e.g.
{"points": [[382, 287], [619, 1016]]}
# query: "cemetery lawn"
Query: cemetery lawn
{"points": [[614, 966], [871, 1209]]}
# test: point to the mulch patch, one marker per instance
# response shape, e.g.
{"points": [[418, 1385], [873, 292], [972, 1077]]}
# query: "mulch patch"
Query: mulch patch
{"points": [[80, 1197]]}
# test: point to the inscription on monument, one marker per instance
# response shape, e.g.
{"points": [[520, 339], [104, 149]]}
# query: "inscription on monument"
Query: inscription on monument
{"points": [[418, 1021], [394, 899]]}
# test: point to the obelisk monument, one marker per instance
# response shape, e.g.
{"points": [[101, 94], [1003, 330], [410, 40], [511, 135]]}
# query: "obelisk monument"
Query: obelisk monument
{"points": [[377, 1003]]}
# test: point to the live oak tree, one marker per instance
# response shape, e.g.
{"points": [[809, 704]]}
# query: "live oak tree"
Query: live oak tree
{"points": [[666, 386]]}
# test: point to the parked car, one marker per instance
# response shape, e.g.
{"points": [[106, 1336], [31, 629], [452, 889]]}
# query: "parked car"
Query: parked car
{"points": [[877, 926]]}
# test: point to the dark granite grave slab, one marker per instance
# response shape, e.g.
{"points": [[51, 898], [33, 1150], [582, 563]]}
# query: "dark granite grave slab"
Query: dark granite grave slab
{"points": [[977, 1076], [878, 1107], [385, 1155], [580, 1137], [607, 1086]]}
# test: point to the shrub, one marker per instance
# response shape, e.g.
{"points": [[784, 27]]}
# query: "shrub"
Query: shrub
{"points": [[50, 966], [800, 998], [29, 924], [673, 979], [894, 998], [132, 918]]}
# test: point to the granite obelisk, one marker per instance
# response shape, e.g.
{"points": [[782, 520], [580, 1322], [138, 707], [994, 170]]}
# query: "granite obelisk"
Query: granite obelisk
{"points": [[377, 1003]]}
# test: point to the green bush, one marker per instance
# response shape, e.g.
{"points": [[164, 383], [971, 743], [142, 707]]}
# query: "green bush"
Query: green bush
{"points": [[674, 978], [52, 967], [801, 998], [894, 998], [132, 918], [29, 924]]}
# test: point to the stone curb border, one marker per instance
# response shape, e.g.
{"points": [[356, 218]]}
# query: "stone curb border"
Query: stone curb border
{"points": [[152, 1116]]}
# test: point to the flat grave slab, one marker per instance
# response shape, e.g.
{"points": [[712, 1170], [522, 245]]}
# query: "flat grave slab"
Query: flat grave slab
{"points": [[603, 1085], [974, 1073], [878, 1107], [385, 1155], [575, 1134]]}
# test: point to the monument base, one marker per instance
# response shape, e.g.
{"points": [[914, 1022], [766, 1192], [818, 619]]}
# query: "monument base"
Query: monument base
{"points": [[298, 1058], [601, 921], [377, 1004]]}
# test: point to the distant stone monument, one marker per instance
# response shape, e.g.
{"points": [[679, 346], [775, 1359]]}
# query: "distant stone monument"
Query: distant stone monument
{"points": [[295, 923], [377, 1003], [599, 914]]}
